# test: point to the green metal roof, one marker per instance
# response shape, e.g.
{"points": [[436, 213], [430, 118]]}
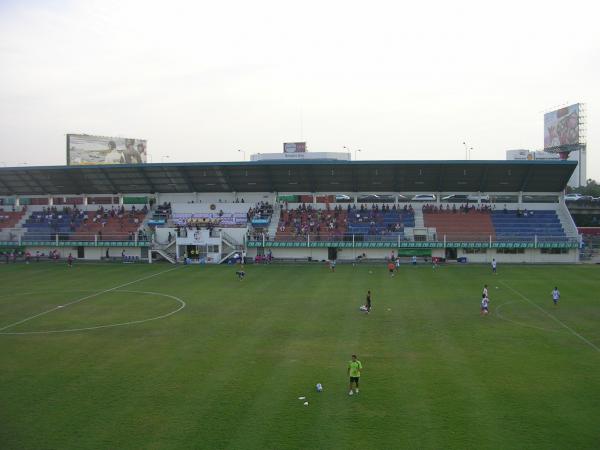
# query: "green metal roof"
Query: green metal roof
{"points": [[290, 176]]}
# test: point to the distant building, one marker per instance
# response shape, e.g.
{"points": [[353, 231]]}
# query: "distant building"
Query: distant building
{"points": [[297, 150], [308, 155], [579, 177]]}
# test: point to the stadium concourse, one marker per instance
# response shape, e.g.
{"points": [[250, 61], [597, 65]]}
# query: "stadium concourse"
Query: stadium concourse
{"points": [[467, 211]]}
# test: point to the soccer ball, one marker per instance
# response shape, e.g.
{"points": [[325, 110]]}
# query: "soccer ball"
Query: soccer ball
{"points": [[305, 403], [319, 387]]}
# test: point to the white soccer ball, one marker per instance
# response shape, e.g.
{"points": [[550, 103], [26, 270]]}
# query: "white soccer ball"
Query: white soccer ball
{"points": [[305, 403], [319, 387]]}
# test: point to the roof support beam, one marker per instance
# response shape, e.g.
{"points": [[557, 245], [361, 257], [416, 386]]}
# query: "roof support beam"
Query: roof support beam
{"points": [[397, 185], [223, 173], [440, 179], [188, 180], [269, 176], [30, 181], [108, 180], [526, 179], [147, 180], [483, 179], [312, 182], [5, 186], [76, 179]]}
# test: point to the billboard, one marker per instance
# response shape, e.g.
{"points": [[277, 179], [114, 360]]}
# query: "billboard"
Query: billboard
{"points": [[529, 155], [561, 127], [519, 155], [83, 149], [294, 147]]}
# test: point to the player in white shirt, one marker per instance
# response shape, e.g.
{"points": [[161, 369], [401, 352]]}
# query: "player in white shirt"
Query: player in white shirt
{"points": [[494, 264], [484, 305], [485, 290], [555, 296]]}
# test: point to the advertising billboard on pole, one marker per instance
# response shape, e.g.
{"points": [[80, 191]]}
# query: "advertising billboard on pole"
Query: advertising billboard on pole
{"points": [[561, 127], [84, 149], [294, 147]]}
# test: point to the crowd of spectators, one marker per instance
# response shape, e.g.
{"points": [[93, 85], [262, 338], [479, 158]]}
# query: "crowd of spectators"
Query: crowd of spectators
{"points": [[375, 217], [462, 209], [57, 217], [192, 225], [257, 234], [521, 212], [375, 207], [163, 211], [102, 215], [306, 220], [262, 210], [12, 256]]}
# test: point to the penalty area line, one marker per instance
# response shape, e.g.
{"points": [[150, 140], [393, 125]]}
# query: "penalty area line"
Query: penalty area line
{"points": [[85, 298], [561, 323]]}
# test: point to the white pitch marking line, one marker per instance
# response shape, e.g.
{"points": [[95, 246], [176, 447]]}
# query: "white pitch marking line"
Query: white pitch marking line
{"points": [[497, 311], [111, 325], [84, 298], [573, 332]]}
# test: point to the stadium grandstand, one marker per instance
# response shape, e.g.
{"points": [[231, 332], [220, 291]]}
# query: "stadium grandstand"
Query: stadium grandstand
{"points": [[467, 211]]}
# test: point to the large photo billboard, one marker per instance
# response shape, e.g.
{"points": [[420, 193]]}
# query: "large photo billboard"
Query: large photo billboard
{"points": [[294, 147], [83, 149], [561, 127]]}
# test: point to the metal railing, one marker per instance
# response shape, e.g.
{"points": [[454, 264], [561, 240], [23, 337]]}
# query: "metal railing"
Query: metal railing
{"points": [[400, 239], [23, 237]]}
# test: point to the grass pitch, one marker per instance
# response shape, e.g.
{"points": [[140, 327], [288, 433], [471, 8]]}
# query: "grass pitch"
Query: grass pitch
{"points": [[226, 370]]}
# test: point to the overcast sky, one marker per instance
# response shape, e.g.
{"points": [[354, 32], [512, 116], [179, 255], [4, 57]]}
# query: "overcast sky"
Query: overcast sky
{"points": [[201, 80]]}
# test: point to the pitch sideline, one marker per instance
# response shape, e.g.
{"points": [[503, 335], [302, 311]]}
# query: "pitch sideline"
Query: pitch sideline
{"points": [[571, 330]]}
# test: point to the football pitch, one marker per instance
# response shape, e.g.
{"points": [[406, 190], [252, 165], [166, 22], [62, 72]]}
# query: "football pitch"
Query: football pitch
{"points": [[162, 357]]}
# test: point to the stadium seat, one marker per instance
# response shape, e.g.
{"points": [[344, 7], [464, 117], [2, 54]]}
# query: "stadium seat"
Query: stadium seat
{"points": [[459, 226], [515, 226]]}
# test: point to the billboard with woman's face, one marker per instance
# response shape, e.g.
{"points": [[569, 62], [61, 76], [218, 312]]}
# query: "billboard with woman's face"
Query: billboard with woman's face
{"points": [[83, 149], [561, 127]]}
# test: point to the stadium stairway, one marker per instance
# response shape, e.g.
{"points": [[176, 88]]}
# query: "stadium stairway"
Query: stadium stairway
{"points": [[566, 220], [167, 251], [418, 213], [272, 231]]}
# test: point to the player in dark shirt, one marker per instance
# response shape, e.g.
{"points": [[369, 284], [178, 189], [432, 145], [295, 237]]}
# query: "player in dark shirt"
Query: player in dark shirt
{"points": [[241, 273]]}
